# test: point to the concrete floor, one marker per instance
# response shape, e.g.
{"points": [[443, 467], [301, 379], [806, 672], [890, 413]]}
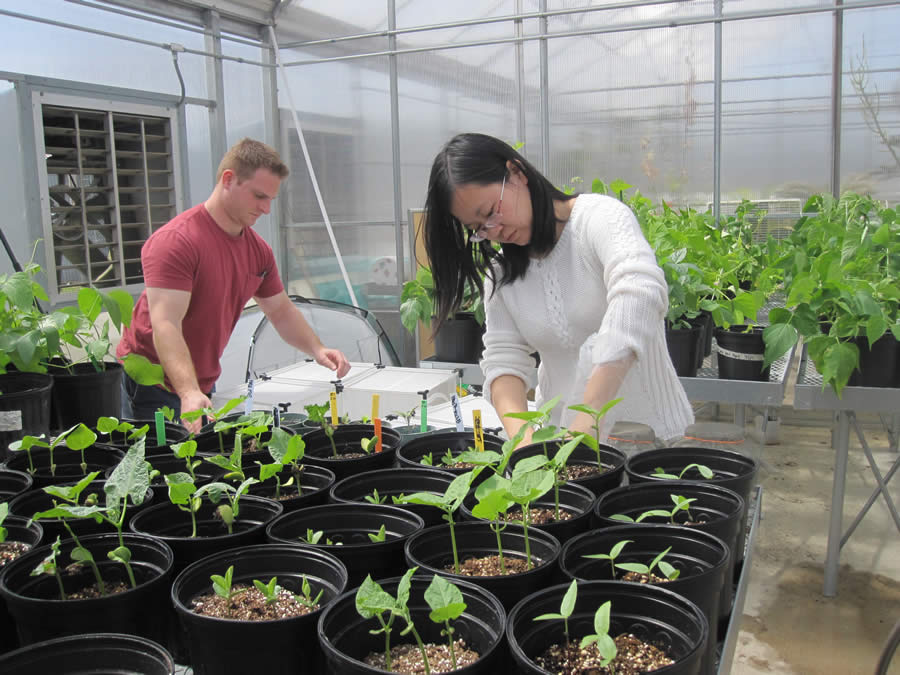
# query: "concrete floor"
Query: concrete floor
{"points": [[788, 627]]}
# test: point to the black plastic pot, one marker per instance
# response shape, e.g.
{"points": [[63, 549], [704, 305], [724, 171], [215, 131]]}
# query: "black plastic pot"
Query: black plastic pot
{"points": [[611, 459], [702, 559], [98, 457], [174, 433], [878, 366], [223, 443], [731, 470], [347, 437], [85, 394], [348, 527], [17, 530], [35, 501], [13, 483], [704, 321], [346, 639], [392, 483], [574, 498], [410, 431], [650, 613], [234, 647], [315, 482], [432, 551], [459, 340], [93, 653], [740, 351], [682, 344], [413, 451], [25, 403], [717, 511], [40, 614], [170, 524]]}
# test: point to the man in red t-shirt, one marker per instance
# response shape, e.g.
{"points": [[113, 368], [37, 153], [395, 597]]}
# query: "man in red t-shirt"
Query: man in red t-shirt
{"points": [[200, 269]]}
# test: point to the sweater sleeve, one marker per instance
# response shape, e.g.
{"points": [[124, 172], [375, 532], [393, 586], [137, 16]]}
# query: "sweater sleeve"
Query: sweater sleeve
{"points": [[505, 351], [637, 293]]}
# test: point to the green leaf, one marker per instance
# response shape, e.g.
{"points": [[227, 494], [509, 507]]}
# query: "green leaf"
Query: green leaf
{"points": [[90, 303], [372, 600], [124, 305], [81, 555], [181, 487], [778, 339], [568, 601], [120, 554], [131, 477], [80, 438], [143, 371], [445, 600], [492, 505], [404, 586], [617, 549], [633, 567], [839, 361], [70, 493]]}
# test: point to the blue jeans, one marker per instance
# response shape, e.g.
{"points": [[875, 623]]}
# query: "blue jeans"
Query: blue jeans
{"points": [[140, 402]]}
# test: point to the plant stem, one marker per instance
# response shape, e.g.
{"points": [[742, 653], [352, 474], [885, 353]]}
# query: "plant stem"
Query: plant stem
{"points": [[450, 643], [333, 446], [453, 542], [93, 563], [499, 548], [421, 649], [386, 627], [556, 499], [527, 544]]}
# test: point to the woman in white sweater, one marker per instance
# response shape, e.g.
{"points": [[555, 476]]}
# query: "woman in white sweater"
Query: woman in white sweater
{"points": [[574, 279]]}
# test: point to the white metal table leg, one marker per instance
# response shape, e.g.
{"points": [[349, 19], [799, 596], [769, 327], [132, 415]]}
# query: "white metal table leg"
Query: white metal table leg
{"points": [[833, 551]]}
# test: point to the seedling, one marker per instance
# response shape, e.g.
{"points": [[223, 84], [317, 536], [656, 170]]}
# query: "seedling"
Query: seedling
{"points": [[128, 482], [525, 487], [596, 416], [319, 413], [681, 504], [368, 445], [557, 466], [492, 506], [407, 415], [223, 588], [286, 450], [427, 459], [670, 572], [234, 469], [705, 471], [374, 498], [378, 536], [447, 604], [110, 425], [193, 415], [305, 595], [315, 536], [612, 555], [270, 591], [49, 566], [187, 497], [605, 644], [187, 451], [566, 607], [374, 601], [78, 438], [451, 500]]}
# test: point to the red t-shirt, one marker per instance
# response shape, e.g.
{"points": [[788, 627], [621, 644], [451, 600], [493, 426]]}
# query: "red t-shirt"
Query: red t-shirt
{"points": [[192, 253]]}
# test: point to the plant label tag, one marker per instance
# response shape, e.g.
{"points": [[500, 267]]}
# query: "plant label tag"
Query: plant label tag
{"points": [[375, 414], [457, 412], [423, 416], [160, 424], [377, 422], [248, 402], [334, 411], [11, 420], [479, 430]]}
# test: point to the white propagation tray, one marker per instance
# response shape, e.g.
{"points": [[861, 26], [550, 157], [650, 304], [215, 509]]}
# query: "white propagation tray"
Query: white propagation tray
{"points": [[308, 383]]}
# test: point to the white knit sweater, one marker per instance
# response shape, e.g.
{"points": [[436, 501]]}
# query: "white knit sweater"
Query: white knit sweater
{"points": [[596, 296]]}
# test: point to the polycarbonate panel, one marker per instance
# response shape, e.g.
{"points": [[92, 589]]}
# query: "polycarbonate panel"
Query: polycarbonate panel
{"points": [[52, 51], [643, 112], [344, 111], [742, 6], [605, 16], [776, 110], [870, 116]]}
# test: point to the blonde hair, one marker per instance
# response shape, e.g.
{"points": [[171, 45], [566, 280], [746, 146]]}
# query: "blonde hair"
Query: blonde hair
{"points": [[248, 155]]}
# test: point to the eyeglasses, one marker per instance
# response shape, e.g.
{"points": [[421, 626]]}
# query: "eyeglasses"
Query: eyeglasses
{"points": [[492, 221]]}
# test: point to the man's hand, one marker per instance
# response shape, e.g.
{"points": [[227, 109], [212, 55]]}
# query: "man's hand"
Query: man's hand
{"points": [[333, 359], [194, 400]]}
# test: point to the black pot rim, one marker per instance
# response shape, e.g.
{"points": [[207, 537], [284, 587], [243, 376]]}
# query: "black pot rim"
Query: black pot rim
{"points": [[696, 454], [40, 552], [402, 514], [302, 552], [656, 486], [117, 640]]}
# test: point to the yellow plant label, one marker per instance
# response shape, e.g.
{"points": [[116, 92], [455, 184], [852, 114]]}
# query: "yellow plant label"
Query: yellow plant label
{"points": [[334, 410], [479, 430], [375, 414]]}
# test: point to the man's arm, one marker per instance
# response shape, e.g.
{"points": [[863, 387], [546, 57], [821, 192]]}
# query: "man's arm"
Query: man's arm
{"points": [[293, 328], [167, 309]]}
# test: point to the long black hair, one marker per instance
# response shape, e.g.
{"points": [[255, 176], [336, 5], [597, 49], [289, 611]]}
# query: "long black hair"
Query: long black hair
{"points": [[457, 262]]}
